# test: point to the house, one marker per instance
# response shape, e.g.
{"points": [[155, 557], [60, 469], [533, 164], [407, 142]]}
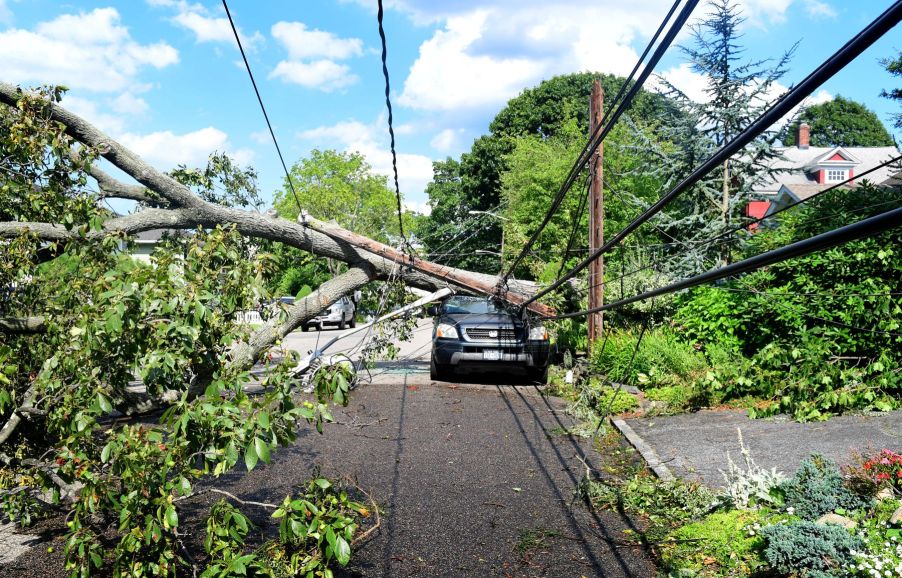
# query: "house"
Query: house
{"points": [[806, 170]]}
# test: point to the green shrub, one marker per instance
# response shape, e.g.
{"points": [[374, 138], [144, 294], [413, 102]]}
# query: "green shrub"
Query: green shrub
{"points": [[675, 396], [662, 359], [817, 488], [721, 544], [809, 549], [622, 401]]}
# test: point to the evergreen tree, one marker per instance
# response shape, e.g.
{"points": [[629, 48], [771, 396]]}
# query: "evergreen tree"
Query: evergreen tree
{"points": [[737, 92]]}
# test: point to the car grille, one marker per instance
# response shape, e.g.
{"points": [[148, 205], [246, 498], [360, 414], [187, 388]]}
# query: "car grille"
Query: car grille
{"points": [[491, 334]]}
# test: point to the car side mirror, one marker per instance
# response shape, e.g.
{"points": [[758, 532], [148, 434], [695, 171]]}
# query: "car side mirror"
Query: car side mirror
{"points": [[432, 310]]}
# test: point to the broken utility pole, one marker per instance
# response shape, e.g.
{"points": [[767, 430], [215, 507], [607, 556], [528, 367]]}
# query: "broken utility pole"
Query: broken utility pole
{"points": [[596, 215]]}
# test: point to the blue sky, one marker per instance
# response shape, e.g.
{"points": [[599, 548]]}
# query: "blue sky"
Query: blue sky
{"points": [[164, 76]]}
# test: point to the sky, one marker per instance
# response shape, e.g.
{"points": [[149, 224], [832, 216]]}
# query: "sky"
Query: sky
{"points": [[165, 77]]}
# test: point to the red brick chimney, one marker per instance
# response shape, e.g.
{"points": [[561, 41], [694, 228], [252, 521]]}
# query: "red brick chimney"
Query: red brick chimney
{"points": [[803, 136]]}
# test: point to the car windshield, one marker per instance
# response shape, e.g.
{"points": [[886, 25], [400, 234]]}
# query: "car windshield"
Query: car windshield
{"points": [[462, 304]]}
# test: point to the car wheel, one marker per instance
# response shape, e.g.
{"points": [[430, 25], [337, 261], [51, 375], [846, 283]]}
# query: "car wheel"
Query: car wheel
{"points": [[538, 376], [353, 321], [341, 324], [305, 328], [438, 372]]}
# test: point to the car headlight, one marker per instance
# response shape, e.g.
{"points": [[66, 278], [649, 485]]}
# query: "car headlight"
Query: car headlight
{"points": [[538, 333], [446, 331]]}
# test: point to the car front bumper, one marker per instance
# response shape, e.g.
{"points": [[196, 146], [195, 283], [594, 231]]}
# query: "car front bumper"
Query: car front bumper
{"points": [[466, 355], [332, 319]]}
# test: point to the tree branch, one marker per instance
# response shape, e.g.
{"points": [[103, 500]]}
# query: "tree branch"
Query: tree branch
{"points": [[22, 325], [111, 188], [16, 418]]}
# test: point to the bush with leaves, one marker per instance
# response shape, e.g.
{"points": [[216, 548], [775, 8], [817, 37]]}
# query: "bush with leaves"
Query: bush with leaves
{"points": [[817, 488], [804, 548]]}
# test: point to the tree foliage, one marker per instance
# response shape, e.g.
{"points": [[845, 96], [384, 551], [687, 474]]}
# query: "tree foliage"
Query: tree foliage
{"points": [[341, 187], [894, 67], [475, 182], [822, 332], [840, 122], [737, 91], [107, 321]]}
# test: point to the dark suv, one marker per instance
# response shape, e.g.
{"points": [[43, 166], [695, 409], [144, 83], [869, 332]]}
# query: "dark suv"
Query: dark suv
{"points": [[479, 334]]}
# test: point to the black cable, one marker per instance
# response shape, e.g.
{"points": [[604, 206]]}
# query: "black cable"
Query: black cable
{"points": [[608, 124], [262, 107], [852, 49], [864, 228], [657, 263], [391, 129], [745, 226]]}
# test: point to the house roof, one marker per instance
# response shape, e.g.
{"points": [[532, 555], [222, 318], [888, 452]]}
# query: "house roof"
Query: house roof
{"points": [[803, 191], [152, 235], [797, 162]]}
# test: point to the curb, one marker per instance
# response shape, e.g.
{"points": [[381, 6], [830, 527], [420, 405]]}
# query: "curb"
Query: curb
{"points": [[650, 456]]}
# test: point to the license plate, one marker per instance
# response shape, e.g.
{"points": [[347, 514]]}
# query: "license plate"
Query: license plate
{"points": [[491, 354]]}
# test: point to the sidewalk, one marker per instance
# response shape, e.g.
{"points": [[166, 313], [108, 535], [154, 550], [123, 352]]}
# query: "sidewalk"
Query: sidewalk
{"points": [[695, 445]]}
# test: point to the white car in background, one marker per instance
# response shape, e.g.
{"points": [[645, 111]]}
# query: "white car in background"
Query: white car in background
{"points": [[341, 314]]}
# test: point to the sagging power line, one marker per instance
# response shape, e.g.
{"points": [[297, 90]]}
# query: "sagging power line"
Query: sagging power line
{"points": [[608, 120], [784, 105]]}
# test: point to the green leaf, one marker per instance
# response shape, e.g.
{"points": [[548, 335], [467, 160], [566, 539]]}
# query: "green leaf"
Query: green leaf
{"points": [[323, 483], [172, 517], [263, 419], [105, 452], [342, 551], [250, 456], [262, 449], [104, 403]]}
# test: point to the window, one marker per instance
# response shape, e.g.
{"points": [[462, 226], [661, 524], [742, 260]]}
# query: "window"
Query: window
{"points": [[837, 175]]}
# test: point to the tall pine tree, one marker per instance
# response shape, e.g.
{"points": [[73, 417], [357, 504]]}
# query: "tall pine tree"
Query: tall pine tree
{"points": [[737, 91]]}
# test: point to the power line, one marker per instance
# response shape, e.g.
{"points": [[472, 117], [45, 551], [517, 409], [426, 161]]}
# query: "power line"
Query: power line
{"points": [[852, 49], [745, 226], [864, 228], [607, 123], [262, 107], [391, 129]]}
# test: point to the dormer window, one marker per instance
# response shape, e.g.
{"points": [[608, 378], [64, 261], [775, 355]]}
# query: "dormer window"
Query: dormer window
{"points": [[837, 175]]}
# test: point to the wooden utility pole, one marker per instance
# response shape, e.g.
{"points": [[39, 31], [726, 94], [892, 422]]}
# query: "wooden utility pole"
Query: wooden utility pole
{"points": [[596, 215]]}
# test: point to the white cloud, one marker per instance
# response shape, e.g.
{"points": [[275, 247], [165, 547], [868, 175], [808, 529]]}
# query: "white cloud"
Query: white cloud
{"points": [[446, 76], [324, 75], [261, 137], [127, 103], [445, 140], [92, 51], [312, 56], [302, 42], [166, 149], [88, 109], [818, 9], [684, 79], [371, 140], [759, 12], [205, 28]]}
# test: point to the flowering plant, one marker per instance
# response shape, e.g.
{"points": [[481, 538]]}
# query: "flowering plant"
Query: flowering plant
{"points": [[885, 469]]}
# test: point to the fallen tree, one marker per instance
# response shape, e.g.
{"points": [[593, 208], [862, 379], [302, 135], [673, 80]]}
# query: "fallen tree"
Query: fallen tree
{"points": [[79, 320]]}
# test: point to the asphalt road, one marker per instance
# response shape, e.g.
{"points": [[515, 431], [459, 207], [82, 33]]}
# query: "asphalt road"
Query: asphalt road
{"points": [[472, 481]]}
